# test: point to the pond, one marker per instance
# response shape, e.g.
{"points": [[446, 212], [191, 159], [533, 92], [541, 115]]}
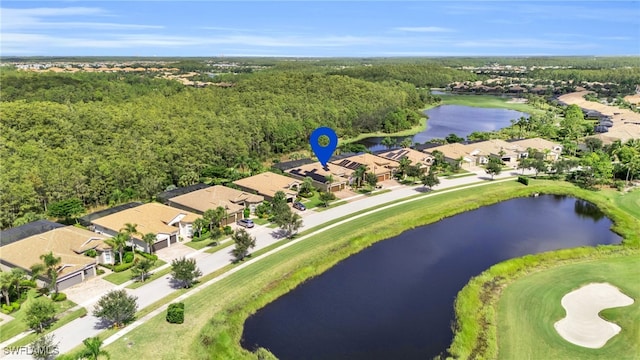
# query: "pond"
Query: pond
{"points": [[394, 300], [455, 119]]}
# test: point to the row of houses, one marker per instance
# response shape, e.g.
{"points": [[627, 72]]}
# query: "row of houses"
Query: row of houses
{"points": [[479, 153]]}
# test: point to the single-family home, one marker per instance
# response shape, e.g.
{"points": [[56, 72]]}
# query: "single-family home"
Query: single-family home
{"points": [[418, 158], [70, 243], [326, 178], [454, 154], [381, 167], [268, 183], [168, 223], [483, 150], [551, 149], [211, 197]]}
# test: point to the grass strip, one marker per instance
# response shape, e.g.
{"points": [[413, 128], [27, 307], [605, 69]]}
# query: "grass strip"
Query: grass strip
{"points": [[64, 320], [222, 307]]}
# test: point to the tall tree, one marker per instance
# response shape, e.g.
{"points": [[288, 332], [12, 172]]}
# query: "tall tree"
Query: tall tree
{"points": [[51, 264], [116, 307], [494, 167], [142, 267], [279, 208], [430, 179], [360, 174], [44, 347], [130, 230], [118, 243], [149, 239], [6, 283], [291, 224], [40, 314], [185, 271], [243, 243]]}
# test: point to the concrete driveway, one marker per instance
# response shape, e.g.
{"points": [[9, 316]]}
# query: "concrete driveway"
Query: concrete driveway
{"points": [[175, 251], [87, 290]]}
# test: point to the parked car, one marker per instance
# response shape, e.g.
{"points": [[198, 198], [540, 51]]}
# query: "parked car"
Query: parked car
{"points": [[248, 223], [300, 206]]}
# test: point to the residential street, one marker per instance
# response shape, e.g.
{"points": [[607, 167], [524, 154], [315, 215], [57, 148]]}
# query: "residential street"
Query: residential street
{"points": [[72, 334]]}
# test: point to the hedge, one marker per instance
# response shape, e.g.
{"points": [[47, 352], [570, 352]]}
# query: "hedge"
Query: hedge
{"points": [[59, 297]]}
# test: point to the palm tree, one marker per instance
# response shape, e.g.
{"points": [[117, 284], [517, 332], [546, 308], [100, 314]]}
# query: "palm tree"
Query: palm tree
{"points": [[360, 173], [93, 349], [51, 263], [404, 165], [130, 230], [149, 239], [118, 242], [6, 282]]}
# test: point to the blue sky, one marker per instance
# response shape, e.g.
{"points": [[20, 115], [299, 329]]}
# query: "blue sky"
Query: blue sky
{"points": [[329, 28]]}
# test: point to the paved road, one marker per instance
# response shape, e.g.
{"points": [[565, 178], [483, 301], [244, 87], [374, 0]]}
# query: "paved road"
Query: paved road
{"points": [[72, 334]]}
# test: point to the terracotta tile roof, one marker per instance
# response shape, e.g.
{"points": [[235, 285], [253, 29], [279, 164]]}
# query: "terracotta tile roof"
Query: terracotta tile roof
{"points": [[67, 242], [376, 164], [451, 151], [535, 143], [268, 183], [416, 157], [149, 218], [492, 147], [211, 197]]}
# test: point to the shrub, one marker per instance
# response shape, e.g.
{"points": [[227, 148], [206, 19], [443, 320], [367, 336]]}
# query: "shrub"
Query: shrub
{"points": [[246, 213], [59, 297], [99, 271], [228, 230], [619, 185], [28, 283], [175, 313], [91, 253], [523, 180], [149, 256], [123, 267], [128, 257]]}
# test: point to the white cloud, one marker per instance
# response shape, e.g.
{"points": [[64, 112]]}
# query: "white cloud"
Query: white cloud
{"points": [[423, 29], [33, 19], [524, 44]]}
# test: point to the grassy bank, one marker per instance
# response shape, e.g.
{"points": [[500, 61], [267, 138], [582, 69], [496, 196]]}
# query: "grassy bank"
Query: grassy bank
{"points": [[476, 304], [215, 316], [409, 132], [529, 307], [488, 101]]}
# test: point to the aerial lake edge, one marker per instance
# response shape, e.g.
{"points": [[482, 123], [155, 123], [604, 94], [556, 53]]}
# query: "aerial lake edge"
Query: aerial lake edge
{"points": [[395, 221]]}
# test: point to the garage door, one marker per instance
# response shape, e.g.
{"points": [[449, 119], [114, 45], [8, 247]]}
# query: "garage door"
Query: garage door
{"points": [[173, 238], [68, 282], [160, 245]]}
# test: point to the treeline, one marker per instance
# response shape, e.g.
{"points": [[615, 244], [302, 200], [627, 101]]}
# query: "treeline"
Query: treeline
{"points": [[143, 135], [82, 87], [420, 75]]}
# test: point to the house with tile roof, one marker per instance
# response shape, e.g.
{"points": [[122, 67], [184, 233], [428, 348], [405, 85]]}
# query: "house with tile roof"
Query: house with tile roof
{"points": [[418, 158], [168, 223], [211, 197], [70, 243], [455, 153], [381, 167], [268, 183], [339, 176]]}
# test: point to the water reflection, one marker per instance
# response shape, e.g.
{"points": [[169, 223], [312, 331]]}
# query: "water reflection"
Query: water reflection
{"points": [[394, 300]]}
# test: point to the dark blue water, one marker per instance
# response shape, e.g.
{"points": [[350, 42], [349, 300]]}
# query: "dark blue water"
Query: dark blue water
{"points": [[394, 300], [455, 119]]}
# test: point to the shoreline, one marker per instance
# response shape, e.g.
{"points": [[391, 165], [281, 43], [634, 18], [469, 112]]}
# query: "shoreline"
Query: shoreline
{"points": [[321, 252]]}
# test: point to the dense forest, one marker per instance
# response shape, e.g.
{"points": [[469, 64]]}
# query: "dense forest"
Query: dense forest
{"points": [[109, 138]]}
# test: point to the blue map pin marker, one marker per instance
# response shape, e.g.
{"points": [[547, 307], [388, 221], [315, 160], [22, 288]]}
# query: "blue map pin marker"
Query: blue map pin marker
{"points": [[323, 153]]}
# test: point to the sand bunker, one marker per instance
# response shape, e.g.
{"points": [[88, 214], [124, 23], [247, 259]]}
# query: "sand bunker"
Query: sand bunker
{"points": [[582, 325]]}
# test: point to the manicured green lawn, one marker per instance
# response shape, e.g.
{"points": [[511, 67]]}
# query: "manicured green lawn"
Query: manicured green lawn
{"points": [[260, 221], [197, 245], [530, 306], [154, 275], [124, 276], [219, 247], [14, 327], [487, 101], [332, 204]]}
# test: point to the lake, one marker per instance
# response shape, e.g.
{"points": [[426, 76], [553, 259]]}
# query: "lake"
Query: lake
{"points": [[457, 119], [394, 300]]}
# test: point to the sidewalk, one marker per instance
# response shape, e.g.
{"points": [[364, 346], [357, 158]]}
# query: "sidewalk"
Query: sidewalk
{"points": [[72, 334]]}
